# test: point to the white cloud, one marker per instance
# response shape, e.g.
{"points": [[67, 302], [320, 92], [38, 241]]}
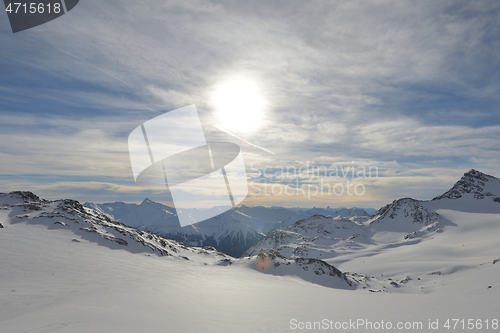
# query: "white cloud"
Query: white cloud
{"points": [[411, 138], [341, 80], [62, 146]]}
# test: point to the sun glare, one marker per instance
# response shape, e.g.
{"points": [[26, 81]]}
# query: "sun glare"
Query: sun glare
{"points": [[239, 105]]}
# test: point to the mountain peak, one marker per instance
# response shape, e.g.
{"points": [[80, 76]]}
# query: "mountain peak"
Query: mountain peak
{"points": [[26, 196], [147, 201], [473, 182], [349, 212], [476, 174], [314, 217], [391, 209]]}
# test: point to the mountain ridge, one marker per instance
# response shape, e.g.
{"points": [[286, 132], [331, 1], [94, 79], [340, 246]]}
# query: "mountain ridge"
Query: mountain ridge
{"points": [[472, 183], [92, 225], [403, 220], [232, 232], [70, 224]]}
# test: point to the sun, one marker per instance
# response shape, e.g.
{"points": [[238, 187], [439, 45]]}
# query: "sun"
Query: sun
{"points": [[239, 104]]}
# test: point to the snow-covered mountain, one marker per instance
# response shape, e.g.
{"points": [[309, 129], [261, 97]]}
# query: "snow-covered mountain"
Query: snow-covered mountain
{"points": [[85, 223], [401, 225], [408, 217], [337, 212], [320, 211], [475, 192], [232, 232], [313, 237], [265, 218], [325, 274], [228, 234], [349, 212], [474, 184], [91, 225], [70, 268]]}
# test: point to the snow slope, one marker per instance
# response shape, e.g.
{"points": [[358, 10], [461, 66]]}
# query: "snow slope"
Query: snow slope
{"points": [[51, 284]]}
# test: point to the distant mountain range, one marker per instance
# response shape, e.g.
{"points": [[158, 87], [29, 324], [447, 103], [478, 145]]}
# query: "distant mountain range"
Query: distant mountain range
{"points": [[231, 232]]}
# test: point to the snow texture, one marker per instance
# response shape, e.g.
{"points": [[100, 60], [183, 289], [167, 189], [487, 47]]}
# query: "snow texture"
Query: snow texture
{"points": [[69, 268]]}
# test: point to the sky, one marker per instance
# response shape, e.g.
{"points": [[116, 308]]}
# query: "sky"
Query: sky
{"points": [[409, 90]]}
